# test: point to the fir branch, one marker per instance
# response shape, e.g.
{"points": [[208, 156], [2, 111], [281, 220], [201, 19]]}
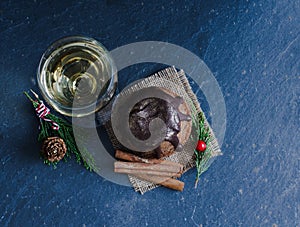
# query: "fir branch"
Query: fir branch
{"points": [[202, 158], [65, 132]]}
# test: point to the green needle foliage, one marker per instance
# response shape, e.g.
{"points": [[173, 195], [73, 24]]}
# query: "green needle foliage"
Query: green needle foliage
{"points": [[202, 158], [65, 132]]}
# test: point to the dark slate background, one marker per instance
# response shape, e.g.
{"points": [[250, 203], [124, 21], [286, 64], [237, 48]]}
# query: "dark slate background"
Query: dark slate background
{"points": [[252, 47]]}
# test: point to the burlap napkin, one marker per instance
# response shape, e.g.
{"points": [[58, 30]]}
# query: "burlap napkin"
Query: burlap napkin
{"points": [[176, 82]]}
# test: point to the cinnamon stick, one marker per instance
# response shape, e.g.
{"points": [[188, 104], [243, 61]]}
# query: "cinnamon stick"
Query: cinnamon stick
{"points": [[134, 158], [145, 168], [147, 172], [163, 181], [148, 166]]}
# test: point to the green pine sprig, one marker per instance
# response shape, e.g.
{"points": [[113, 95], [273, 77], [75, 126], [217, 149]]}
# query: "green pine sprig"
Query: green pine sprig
{"points": [[202, 158], [65, 132]]}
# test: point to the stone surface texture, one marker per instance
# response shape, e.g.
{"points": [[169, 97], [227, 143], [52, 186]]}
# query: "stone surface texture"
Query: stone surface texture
{"points": [[252, 48]]}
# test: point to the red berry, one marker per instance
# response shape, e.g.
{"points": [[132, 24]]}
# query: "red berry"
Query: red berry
{"points": [[201, 146]]}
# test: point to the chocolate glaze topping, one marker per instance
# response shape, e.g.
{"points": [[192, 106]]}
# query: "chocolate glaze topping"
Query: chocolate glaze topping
{"points": [[150, 108]]}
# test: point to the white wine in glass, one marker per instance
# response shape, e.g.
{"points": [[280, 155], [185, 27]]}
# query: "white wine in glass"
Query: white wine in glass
{"points": [[77, 76]]}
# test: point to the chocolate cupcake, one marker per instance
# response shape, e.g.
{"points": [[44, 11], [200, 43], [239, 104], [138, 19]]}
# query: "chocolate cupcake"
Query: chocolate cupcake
{"points": [[151, 104]]}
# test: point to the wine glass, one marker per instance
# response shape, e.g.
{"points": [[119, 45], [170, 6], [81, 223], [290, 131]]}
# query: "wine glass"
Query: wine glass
{"points": [[77, 76]]}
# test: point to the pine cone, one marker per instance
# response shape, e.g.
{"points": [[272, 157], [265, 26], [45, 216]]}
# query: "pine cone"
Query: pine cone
{"points": [[54, 149]]}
